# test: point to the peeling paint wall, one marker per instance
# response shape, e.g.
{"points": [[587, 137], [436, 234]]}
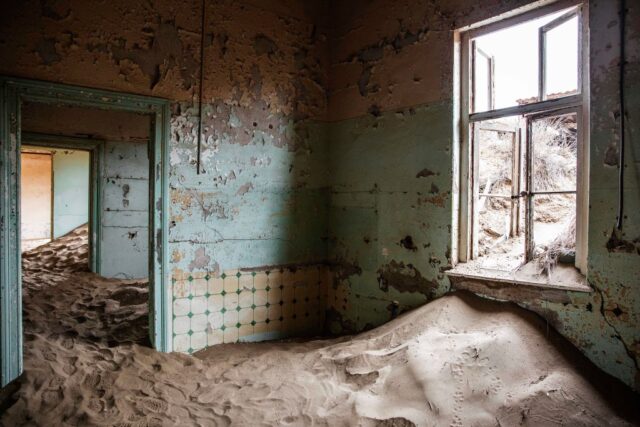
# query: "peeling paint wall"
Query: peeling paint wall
{"points": [[260, 204], [328, 137], [391, 100], [124, 248]]}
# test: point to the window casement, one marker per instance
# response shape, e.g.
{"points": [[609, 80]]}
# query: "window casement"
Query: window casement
{"points": [[524, 139]]}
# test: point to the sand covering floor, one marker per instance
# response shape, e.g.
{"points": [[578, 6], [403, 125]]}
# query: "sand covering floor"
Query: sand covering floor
{"points": [[458, 361]]}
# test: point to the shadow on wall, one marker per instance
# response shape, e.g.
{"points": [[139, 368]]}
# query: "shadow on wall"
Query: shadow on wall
{"points": [[248, 234]]}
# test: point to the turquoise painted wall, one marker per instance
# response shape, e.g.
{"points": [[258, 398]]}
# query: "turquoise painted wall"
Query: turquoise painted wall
{"points": [[124, 249], [70, 190], [392, 180], [390, 213], [367, 195], [258, 204]]}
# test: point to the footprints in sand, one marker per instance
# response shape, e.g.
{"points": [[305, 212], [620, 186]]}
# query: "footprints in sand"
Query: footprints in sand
{"points": [[84, 365], [150, 404]]}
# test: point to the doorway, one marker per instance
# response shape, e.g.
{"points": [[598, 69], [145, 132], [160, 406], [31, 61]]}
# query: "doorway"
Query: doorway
{"points": [[14, 93]]}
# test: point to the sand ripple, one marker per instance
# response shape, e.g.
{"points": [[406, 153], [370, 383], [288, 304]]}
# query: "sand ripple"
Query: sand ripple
{"points": [[458, 361]]}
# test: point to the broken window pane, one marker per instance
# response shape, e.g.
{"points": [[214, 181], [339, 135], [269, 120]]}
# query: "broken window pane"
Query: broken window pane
{"points": [[555, 153], [554, 228]]}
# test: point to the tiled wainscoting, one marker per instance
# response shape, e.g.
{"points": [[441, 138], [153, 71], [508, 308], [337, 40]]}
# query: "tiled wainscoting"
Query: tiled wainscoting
{"points": [[241, 306]]}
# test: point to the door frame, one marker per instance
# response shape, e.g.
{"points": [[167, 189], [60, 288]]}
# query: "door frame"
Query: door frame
{"points": [[14, 91], [95, 147]]}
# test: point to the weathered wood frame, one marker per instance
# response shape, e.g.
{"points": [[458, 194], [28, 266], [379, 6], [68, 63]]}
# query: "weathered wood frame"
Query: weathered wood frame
{"points": [[580, 102], [13, 91]]}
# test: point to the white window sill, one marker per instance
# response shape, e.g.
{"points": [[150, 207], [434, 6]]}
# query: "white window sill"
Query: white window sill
{"points": [[523, 284]]}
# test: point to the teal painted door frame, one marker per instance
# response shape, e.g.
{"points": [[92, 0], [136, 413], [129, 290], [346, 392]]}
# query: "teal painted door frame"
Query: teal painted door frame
{"points": [[13, 91], [95, 148]]}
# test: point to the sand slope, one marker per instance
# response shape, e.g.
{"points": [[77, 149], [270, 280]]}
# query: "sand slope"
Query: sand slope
{"points": [[458, 361]]}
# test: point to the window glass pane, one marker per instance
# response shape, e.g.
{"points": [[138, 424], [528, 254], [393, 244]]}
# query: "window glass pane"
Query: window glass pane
{"points": [[515, 52], [481, 100], [555, 153], [554, 228], [561, 62]]}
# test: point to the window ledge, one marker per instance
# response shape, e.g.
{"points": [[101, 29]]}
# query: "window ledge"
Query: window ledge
{"points": [[522, 285]]}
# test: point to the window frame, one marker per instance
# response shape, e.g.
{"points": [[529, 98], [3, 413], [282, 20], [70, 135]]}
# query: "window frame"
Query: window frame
{"points": [[464, 235]]}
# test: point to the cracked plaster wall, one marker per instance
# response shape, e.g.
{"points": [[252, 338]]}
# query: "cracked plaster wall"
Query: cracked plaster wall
{"points": [[334, 148], [260, 203], [391, 106]]}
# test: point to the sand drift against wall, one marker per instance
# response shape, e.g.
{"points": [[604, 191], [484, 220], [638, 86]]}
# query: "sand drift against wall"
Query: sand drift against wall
{"points": [[457, 361]]}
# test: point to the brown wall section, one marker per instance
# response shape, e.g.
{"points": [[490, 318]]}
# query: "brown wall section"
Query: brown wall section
{"points": [[388, 54], [263, 51], [36, 195]]}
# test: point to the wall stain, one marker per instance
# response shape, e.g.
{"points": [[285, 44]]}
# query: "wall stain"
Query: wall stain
{"points": [[405, 278], [617, 243], [407, 243]]}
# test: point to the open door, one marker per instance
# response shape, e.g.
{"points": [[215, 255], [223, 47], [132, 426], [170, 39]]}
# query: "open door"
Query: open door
{"points": [[13, 92]]}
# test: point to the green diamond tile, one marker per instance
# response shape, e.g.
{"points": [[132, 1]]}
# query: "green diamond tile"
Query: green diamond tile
{"points": [[190, 350], [190, 296], [190, 332], [253, 274], [223, 311], [267, 272], [190, 314], [253, 306], [238, 308], [268, 288], [207, 295], [253, 290], [238, 291], [222, 328], [223, 276], [207, 312], [267, 320], [207, 277], [190, 278], [253, 323], [267, 305], [238, 325], [238, 274]]}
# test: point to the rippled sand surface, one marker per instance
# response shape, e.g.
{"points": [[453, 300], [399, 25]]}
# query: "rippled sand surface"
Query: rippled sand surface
{"points": [[458, 361]]}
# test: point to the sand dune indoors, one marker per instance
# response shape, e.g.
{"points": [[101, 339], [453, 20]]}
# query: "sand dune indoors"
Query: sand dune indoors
{"points": [[458, 361]]}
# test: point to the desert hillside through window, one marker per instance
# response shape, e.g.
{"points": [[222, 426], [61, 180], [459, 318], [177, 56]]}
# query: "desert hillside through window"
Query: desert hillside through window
{"points": [[527, 145]]}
